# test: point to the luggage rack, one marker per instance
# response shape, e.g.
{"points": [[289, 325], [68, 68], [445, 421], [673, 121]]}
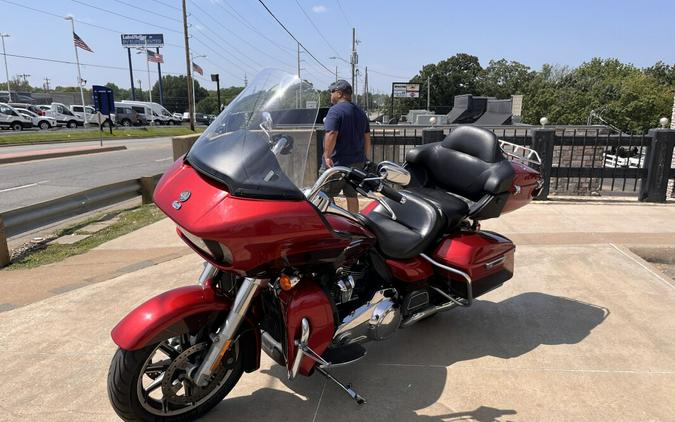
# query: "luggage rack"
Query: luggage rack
{"points": [[527, 155]]}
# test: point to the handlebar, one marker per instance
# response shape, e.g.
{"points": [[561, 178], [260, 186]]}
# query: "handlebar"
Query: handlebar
{"points": [[392, 194]]}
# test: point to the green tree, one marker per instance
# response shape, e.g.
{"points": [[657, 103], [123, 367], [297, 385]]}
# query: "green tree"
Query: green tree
{"points": [[502, 78], [176, 93], [119, 93]]}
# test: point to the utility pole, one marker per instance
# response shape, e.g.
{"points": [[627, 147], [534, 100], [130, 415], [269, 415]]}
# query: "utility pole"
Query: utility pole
{"points": [[365, 90], [336, 75], [354, 58], [188, 63], [245, 80], [356, 88], [9, 93], [429, 93], [299, 96], [46, 86], [215, 77], [23, 76], [140, 90]]}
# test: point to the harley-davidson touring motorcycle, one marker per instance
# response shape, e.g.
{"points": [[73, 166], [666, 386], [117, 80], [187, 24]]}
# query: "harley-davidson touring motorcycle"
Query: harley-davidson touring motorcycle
{"points": [[290, 272]]}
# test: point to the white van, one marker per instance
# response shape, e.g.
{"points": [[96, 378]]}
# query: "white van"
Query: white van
{"points": [[162, 115], [10, 118], [63, 115], [92, 117]]}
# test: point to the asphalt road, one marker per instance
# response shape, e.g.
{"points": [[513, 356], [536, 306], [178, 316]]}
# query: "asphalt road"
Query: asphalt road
{"points": [[32, 182]]}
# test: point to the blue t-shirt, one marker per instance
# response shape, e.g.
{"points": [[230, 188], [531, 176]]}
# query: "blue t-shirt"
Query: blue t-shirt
{"points": [[351, 123]]}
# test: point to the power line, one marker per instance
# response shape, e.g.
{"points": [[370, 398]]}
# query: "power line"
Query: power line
{"points": [[317, 29], [388, 75], [246, 23], [154, 13], [236, 35], [293, 36], [343, 13], [217, 53], [126, 17], [167, 5]]}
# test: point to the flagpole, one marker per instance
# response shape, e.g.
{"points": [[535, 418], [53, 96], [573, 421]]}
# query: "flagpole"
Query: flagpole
{"points": [[79, 75], [147, 65]]}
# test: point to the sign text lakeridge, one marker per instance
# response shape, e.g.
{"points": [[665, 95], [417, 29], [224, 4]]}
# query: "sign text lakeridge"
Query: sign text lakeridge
{"points": [[142, 40]]}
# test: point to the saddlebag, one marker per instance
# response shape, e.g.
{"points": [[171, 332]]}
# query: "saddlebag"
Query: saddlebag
{"points": [[484, 257]]}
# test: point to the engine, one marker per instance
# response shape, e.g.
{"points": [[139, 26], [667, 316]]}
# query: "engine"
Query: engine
{"points": [[375, 320]]}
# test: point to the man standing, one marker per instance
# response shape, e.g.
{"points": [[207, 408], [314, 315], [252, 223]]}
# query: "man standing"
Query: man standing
{"points": [[347, 139]]}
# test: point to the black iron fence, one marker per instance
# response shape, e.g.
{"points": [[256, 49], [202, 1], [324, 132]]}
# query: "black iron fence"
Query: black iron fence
{"points": [[575, 160]]}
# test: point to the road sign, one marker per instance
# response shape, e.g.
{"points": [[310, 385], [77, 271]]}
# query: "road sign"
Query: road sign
{"points": [[406, 90], [142, 40], [103, 99]]}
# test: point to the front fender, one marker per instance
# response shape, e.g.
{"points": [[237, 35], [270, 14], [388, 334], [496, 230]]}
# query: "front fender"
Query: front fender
{"points": [[177, 312], [166, 315]]}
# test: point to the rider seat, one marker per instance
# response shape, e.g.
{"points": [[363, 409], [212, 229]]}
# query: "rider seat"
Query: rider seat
{"points": [[417, 224], [465, 175]]}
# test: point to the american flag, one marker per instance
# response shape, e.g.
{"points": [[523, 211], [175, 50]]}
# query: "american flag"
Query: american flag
{"points": [[197, 68], [79, 43], [155, 57]]}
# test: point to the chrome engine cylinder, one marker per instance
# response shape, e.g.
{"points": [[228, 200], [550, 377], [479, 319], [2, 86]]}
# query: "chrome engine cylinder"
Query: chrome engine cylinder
{"points": [[375, 320]]}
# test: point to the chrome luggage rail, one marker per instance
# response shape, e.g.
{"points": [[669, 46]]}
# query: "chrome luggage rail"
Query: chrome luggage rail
{"points": [[520, 153]]}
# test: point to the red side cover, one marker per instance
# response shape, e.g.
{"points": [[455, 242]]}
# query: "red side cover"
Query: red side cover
{"points": [[474, 252], [526, 184], [307, 300]]}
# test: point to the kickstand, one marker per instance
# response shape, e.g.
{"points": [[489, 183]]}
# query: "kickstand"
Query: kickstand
{"points": [[347, 388]]}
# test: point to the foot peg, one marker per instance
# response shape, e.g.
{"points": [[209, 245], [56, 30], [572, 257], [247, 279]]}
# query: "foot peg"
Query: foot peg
{"points": [[347, 388]]}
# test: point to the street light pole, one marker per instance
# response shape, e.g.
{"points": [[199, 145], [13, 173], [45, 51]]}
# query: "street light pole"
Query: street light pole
{"points": [[79, 75], [9, 93]]}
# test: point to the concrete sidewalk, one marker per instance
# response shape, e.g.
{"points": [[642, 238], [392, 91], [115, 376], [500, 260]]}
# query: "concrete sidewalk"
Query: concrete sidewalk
{"points": [[584, 331]]}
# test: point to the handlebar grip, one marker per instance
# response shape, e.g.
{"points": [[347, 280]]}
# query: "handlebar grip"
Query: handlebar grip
{"points": [[392, 194]]}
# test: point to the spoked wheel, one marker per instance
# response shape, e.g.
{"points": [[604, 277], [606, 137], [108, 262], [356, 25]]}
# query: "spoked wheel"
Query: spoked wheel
{"points": [[151, 384]]}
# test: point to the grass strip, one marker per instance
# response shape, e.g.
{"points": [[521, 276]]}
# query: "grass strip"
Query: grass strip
{"points": [[128, 221], [92, 135]]}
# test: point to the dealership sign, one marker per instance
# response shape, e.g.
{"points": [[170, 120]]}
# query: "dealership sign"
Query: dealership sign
{"points": [[406, 90], [142, 40]]}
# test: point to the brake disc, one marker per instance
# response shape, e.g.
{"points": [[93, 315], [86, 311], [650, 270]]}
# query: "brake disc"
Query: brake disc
{"points": [[175, 377]]}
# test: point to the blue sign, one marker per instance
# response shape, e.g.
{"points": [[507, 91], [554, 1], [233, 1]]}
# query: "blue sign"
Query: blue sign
{"points": [[103, 99], [142, 40]]}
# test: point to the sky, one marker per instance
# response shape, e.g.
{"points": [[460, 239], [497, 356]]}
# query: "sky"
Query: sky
{"points": [[396, 37]]}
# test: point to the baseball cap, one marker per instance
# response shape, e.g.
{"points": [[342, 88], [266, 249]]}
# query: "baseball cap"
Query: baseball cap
{"points": [[342, 86]]}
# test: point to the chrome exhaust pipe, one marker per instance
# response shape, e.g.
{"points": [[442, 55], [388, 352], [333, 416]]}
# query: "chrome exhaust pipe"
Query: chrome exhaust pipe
{"points": [[272, 348]]}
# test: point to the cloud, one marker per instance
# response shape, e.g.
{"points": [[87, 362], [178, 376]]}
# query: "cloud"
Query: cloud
{"points": [[319, 8]]}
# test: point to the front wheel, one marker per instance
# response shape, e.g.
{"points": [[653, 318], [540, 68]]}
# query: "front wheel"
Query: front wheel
{"points": [[72, 124], [151, 384]]}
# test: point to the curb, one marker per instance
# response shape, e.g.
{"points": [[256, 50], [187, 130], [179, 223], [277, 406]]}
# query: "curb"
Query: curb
{"points": [[20, 157]]}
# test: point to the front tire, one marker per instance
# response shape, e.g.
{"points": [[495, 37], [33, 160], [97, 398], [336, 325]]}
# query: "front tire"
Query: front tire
{"points": [[44, 125], [72, 124], [131, 370]]}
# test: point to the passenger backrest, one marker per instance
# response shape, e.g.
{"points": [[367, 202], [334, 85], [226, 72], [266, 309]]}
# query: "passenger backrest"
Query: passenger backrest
{"points": [[468, 162]]}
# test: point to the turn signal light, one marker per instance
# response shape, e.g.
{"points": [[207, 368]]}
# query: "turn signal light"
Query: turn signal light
{"points": [[287, 282]]}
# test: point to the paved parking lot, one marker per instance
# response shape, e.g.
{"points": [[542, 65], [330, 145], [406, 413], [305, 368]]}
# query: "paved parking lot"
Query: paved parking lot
{"points": [[582, 332]]}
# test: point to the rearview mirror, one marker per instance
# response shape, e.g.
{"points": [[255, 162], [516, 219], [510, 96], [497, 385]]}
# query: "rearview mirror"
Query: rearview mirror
{"points": [[393, 173]]}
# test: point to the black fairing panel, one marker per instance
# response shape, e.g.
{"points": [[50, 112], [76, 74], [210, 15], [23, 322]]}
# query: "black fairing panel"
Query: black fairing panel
{"points": [[245, 164]]}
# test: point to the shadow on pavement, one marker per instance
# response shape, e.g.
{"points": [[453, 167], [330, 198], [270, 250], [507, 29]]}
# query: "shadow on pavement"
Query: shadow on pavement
{"points": [[408, 372]]}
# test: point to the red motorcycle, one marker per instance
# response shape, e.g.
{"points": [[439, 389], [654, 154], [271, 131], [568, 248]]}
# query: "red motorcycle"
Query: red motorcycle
{"points": [[290, 272]]}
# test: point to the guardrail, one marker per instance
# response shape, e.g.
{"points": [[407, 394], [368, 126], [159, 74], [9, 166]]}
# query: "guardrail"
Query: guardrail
{"points": [[32, 217]]}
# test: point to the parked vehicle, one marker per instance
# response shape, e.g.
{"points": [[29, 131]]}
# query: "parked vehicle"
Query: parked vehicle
{"points": [[178, 117], [290, 272], [10, 118], [161, 114], [92, 115], [35, 109], [125, 115], [63, 115], [42, 122]]}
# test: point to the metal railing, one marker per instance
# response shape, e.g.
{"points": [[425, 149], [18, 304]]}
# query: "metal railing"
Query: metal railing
{"points": [[577, 160], [32, 217]]}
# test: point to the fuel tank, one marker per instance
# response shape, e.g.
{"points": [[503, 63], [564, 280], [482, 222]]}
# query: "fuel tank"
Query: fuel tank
{"points": [[250, 236]]}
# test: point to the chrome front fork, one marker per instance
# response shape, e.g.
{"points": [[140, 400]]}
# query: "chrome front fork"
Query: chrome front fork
{"points": [[223, 337]]}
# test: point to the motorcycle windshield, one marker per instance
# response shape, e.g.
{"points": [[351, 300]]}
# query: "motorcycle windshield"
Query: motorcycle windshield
{"points": [[236, 151]]}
